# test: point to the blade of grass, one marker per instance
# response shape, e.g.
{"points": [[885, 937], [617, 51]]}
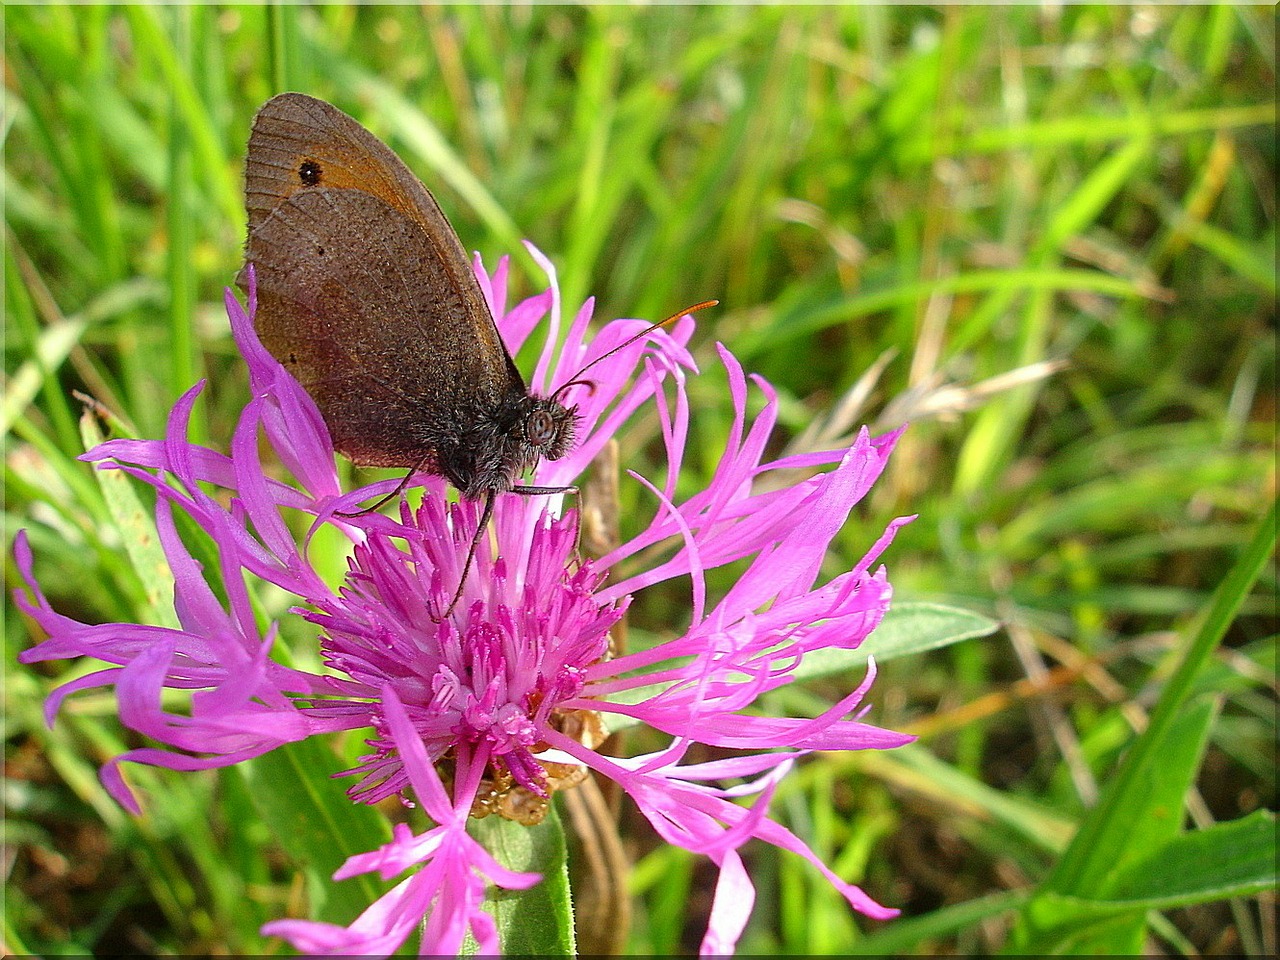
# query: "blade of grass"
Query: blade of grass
{"points": [[137, 532], [1104, 830]]}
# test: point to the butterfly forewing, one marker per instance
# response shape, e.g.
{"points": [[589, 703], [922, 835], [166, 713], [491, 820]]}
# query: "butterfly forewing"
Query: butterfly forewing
{"points": [[365, 293]]}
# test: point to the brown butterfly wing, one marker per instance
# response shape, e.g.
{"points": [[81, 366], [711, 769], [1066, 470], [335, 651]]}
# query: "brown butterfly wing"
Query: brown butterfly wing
{"points": [[364, 291]]}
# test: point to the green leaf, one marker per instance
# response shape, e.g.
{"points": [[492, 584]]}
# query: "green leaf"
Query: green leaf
{"points": [[1078, 927], [1153, 818], [1158, 798], [537, 921], [1232, 859], [1116, 818], [1142, 808], [908, 629]]}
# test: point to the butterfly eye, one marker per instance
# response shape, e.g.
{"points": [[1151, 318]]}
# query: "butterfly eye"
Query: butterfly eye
{"points": [[540, 428]]}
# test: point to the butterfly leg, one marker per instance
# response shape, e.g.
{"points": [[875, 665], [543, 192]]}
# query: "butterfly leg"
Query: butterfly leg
{"points": [[385, 500], [482, 527]]}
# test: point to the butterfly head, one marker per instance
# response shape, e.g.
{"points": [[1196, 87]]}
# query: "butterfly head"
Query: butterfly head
{"points": [[548, 428]]}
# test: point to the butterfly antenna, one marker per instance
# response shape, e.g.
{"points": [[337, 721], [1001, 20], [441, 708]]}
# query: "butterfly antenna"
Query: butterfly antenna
{"points": [[577, 377]]}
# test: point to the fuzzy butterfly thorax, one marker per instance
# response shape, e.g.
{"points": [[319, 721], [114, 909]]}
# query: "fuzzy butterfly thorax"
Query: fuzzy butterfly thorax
{"points": [[501, 442]]}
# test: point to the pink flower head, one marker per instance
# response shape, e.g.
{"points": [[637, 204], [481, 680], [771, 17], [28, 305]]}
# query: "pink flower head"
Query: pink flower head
{"points": [[493, 708]]}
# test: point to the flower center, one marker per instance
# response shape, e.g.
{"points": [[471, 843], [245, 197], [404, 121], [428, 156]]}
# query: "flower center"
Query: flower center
{"points": [[482, 685]]}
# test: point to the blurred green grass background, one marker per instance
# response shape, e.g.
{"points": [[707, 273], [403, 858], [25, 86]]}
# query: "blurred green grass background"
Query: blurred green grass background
{"points": [[1044, 236]]}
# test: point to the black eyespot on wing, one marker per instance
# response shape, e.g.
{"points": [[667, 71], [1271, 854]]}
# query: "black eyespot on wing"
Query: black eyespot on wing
{"points": [[309, 173]]}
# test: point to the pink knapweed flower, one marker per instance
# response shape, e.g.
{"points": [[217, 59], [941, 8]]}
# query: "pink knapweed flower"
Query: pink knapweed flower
{"points": [[486, 710]]}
